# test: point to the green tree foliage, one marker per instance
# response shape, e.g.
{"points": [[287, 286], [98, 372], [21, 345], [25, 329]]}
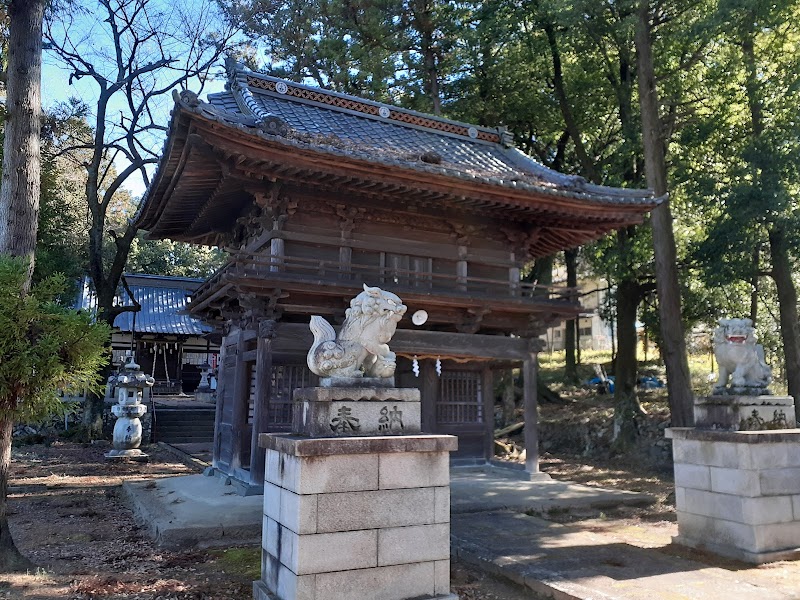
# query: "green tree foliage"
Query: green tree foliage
{"points": [[45, 348], [562, 75], [166, 257], [398, 51]]}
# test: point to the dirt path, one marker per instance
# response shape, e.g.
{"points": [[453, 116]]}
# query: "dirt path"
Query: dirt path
{"points": [[66, 515]]}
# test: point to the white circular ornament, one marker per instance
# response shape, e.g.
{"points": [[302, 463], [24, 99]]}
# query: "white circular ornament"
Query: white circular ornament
{"points": [[384, 112], [281, 87], [473, 133], [419, 317]]}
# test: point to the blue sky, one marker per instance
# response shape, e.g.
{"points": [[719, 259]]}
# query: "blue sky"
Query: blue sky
{"points": [[85, 27]]}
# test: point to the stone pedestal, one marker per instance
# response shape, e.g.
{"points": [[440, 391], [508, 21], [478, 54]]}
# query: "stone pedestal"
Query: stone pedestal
{"points": [[738, 492], [356, 518], [744, 413], [208, 395], [355, 411]]}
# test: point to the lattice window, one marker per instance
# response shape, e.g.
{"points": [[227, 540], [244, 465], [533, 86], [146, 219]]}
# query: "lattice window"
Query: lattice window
{"points": [[460, 398], [404, 270], [251, 394], [285, 378]]}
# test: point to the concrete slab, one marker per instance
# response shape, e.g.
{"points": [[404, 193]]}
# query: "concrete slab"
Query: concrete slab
{"points": [[493, 489], [566, 562], [200, 511], [195, 511]]}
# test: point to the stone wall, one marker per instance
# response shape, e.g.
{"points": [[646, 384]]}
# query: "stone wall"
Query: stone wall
{"points": [[370, 515], [738, 493]]}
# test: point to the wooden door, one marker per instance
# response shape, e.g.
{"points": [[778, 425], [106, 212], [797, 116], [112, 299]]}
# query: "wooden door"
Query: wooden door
{"points": [[460, 412]]}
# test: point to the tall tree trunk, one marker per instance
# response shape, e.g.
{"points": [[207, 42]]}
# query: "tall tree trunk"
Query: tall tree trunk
{"points": [[681, 400], [19, 200], [571, 326], [627, 405], [767, 181], [10, 557], [21, 176], [509, 397], [542, 272], [787, 303], [423, 17], [588, 169], [754, 285]]}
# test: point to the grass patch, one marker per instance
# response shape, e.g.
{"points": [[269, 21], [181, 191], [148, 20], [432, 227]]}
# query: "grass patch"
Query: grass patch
{"points": [[240, 561]]}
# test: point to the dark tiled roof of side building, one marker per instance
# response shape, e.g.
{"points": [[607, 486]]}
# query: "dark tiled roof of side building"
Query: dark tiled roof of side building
{"points": [[163, 299]]}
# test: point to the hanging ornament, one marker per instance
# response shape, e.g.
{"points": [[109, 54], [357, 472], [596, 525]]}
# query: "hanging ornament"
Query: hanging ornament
{"points": [[438, 366], [415, 366]]}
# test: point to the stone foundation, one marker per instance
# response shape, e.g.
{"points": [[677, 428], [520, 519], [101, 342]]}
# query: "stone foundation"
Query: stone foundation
{"points": [[738, 492], [359, 518]]}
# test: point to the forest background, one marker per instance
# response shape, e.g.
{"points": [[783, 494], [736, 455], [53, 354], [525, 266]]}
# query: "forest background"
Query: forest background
{"points": [[562, 75]]}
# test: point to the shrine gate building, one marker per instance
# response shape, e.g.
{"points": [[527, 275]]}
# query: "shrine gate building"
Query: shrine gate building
{"points": [[315, 193]]}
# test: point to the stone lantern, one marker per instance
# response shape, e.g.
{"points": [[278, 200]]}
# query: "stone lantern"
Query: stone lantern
{"points": [[130, 382], [204, 393]]}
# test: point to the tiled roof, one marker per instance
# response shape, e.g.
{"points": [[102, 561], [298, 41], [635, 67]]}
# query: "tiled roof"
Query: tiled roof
{"points": [[353, 126], [163, 299]]}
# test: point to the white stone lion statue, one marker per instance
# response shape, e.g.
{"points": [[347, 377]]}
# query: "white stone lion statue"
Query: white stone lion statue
{"points": [[739, 358], [361, 349]]}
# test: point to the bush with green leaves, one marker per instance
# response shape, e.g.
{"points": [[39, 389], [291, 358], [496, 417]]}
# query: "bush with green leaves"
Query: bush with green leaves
{"points": [[45, 347]]}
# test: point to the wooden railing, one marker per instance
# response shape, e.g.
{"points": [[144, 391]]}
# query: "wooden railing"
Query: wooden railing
{"points": [[311, 270]]}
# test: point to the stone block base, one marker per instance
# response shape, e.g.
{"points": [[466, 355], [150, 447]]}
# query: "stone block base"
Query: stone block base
{"points": [[744, 413], [359, 518], [131, 454], [205, 396], [354, 411], [738, 493], [260, 592], [755, 558]]}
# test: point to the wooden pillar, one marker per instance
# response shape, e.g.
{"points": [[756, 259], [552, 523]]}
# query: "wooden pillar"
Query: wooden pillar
{"points": [[220, 403], [429, 393], [241, 394], [514, 279], [462, 269], [487, 387], [530, 368], [276, 251], [263, 394]]}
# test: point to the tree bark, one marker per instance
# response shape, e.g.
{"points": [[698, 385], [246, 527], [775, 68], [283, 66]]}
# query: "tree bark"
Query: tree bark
{"points": [[21, 175], [509, 397], [10, 558], [627, 405], [787, 303], [754, 285], [767, 181], [19, 201], [571, 125], [681, 400], [571, 326]]}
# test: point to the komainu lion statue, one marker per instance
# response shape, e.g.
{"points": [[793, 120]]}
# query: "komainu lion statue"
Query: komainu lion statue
{"points": [[739, 358], [361, 348]]}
